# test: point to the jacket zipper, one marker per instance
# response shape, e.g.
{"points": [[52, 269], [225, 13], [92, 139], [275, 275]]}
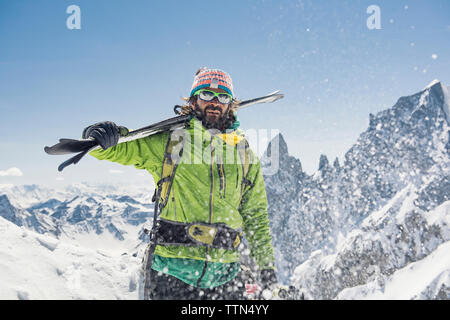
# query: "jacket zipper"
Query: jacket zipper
{"points": [[237, 176], [222, 177], [224, 181], [211, 199]]}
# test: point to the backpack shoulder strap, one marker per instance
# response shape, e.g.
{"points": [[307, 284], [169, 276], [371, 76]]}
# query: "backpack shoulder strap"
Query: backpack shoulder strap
{"points": [[172, 156], [245, 157]]}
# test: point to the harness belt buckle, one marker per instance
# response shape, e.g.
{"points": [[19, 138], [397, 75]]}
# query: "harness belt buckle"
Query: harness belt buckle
{"points": [[202, 233], [237, 241], [214, 235]]}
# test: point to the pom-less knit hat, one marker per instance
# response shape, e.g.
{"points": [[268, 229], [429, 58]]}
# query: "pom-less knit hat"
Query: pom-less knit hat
{"points": [[212, 78]]}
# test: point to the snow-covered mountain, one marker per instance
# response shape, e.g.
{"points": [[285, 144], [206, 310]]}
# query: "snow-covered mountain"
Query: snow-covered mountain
{"points": [[86, 241], [79, 210], [37, 266], [386, 207], [387, 243]]}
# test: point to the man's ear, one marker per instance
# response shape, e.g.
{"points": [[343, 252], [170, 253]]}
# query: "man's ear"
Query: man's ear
{"points": [[192, 102]]}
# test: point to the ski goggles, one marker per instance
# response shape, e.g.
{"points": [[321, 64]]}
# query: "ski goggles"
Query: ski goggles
{"points": [[208, 95]]}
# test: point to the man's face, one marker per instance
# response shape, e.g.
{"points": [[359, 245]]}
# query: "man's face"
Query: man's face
{"points": [[213, 111]]}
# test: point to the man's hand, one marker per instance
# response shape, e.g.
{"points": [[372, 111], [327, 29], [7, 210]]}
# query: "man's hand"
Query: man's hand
{"points": [[105, 133]]}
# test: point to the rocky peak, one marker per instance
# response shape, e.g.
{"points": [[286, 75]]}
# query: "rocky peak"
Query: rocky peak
{"points": [[11, 213], [7, 211], [277, 155], [323, 162], [336, 164], [282, 146]]}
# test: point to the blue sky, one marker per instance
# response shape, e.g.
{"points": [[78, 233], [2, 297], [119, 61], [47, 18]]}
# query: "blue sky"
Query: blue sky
{"points": [[133, 60]]}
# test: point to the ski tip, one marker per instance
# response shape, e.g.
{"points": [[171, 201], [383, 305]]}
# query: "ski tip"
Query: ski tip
{"points": [[278, 96], [51, 150]]}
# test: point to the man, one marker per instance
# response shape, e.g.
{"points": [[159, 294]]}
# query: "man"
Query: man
{"points": [[206, 197]]}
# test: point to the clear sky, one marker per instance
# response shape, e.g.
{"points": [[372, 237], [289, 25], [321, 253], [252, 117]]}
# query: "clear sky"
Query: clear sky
{"points": [[131, 61]]}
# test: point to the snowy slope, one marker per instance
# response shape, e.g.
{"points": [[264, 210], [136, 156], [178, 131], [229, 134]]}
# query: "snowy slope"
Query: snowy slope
{"points": [[83, 242], [35, 266], [81, 213], [423, 279], [389, 240]]}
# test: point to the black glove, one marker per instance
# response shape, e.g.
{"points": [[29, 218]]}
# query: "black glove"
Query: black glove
{"points": [[105, 133]]}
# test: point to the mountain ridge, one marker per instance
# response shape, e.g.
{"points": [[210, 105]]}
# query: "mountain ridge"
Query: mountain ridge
{"points": [[406, 146]]}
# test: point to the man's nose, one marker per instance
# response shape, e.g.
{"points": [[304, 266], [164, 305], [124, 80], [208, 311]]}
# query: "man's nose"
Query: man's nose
{"points": [[215, 101]]}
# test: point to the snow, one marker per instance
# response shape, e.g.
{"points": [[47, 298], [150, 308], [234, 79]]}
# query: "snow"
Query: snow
{"points": [[432, 83], [409, 282], [423, 98], [407, 205], [440, 216], [446, 106], [104, 241], [378, 246], [379, 215], [35, 266], [29, 195], [92, 251]]}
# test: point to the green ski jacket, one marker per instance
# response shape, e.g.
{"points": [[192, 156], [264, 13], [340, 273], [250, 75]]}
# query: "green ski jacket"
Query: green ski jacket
{"points": [[207, 188]]}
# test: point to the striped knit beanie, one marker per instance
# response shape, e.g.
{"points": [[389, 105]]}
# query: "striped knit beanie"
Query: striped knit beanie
{"points": [[212, 78]]}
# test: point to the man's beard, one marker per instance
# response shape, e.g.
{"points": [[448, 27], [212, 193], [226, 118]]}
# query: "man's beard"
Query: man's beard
{"points": [[213, 121]]}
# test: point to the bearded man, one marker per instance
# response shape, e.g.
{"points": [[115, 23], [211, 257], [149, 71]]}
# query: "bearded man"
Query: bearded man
{"points": [[210, 194]]}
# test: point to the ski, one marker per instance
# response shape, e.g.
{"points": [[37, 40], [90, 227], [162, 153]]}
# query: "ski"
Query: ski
{"points": [[84, 146], [68, 146]]}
